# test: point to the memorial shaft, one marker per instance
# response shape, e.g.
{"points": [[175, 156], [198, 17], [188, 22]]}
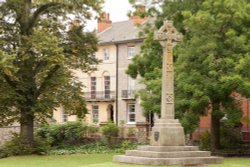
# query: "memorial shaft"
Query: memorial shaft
{"points": [[167, 100]]}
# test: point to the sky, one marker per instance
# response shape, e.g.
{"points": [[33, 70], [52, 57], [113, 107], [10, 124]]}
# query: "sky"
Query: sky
{"points": [[117, 9]]}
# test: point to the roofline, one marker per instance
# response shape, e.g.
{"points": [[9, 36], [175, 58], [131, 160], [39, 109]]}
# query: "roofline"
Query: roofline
{"points": [[122, 42]]}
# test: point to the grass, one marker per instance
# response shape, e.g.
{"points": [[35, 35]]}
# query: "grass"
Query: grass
{"points": [[91, 160]]}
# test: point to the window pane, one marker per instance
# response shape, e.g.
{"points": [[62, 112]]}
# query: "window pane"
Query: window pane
{"points": [[95, 114], [93, 87], [131, 52], [131, 113], [105, 54], [106, 87]]}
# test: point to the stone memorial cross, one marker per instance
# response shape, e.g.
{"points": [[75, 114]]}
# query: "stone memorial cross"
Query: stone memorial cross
{"points": [[167, 130], [168, 36]]}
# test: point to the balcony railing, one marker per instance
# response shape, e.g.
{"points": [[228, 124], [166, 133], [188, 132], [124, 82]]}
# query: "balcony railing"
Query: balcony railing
{"points": [[128, 94], [100, 96]]}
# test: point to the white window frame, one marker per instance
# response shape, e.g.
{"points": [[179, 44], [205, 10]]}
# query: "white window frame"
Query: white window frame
{"points": [[93, 87], [131, 52], [107, 87], [130, 113], [106, 54], [95, 114]]}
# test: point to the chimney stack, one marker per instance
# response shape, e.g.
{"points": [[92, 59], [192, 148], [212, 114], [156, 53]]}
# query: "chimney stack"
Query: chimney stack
{"points": [[104, 22]]}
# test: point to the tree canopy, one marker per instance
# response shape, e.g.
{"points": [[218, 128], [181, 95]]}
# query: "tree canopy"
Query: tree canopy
{"points": [[38, 56], [211, 63]]}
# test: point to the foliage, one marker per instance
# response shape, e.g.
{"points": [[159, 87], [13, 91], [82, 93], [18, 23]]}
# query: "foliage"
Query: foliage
{"points": [[190, 122], [148, 63], [93, 148], [208, 73], [211, 62], [131, 131], [230, 138], [16, 146], [109, 131], [38, 57], [65, 134], [205, 141]]}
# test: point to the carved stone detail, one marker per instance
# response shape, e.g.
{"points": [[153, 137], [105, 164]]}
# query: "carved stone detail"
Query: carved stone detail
{"points": [[168, 33], [169, 98], [169, 67]]}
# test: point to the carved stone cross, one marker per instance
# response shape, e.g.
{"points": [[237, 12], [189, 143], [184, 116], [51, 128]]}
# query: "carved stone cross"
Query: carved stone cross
{"points": [[168, 36], [168, 33]]}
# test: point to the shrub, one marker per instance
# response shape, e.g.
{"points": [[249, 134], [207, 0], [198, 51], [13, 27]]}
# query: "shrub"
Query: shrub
{"points": [[64, 134], [205, 141], [110, 130], [93, 148], [17, 146], [131, 132], [230, 138]]}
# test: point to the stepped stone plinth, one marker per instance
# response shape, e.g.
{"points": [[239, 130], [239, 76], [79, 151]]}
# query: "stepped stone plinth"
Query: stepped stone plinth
{"points": [[167, 155], [167, 144]]}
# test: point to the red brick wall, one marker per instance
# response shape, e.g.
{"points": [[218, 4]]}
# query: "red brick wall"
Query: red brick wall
{"points": [[205, 122]]}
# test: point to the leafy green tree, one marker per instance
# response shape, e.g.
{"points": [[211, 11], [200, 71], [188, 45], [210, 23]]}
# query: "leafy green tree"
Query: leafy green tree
{"points": [[148, 62], [38, 57], [211, 62]]}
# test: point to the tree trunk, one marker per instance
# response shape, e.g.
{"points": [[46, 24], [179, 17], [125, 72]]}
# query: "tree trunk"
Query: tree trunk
{"points": [[215, 132], [27, 129], [215, 126]]}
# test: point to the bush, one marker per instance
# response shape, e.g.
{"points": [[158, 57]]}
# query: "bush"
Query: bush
{"points": [[110, 130], [17, 146], [93, 148], [230, 138], [205, 141], [65, 134], [131, 132]]}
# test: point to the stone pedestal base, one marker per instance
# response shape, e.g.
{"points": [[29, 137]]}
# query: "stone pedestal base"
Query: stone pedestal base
{"points": [[168, 148], [168, 155], [167, 132]]}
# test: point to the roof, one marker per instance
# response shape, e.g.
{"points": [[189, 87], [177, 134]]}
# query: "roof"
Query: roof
{"points": [[120, 32]]}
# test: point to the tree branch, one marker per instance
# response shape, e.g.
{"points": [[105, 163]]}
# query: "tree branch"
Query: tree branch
{"points": [[41, 10]]}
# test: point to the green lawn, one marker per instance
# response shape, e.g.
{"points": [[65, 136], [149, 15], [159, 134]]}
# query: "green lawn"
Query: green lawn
{"points": [[91, 160]]}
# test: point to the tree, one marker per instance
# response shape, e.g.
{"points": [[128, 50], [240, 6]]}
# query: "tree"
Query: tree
{"points": [[148, 62], [38, 57], [211, 62]]}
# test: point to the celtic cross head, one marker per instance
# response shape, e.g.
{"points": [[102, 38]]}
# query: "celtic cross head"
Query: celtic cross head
{"points": [[168, 33]]}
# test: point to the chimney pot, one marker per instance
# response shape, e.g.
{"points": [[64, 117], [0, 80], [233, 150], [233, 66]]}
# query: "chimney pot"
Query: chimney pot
{"points": [[104, 22]]}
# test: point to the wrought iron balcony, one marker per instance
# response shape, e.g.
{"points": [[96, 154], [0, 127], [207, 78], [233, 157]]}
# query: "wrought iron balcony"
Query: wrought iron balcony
{"points": [[100, 96], [128, 94]]}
